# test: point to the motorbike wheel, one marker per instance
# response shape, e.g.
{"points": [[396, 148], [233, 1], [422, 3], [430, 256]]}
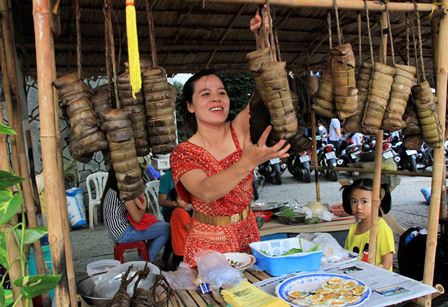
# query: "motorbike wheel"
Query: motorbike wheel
{"points": [[412, 164], [333, 176], [307, 173], [255, 187]]}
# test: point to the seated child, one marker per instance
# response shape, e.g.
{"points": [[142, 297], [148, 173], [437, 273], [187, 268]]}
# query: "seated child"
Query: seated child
{"points": [[357, 200], [180, 224]]}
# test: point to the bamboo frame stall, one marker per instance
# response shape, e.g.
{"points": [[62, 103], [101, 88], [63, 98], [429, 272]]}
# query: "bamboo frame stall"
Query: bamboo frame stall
{"points": [[61, 252]]}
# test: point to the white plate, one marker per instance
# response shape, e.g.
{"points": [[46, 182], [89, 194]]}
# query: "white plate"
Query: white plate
{"points": [[240, 261], [311, 282]]}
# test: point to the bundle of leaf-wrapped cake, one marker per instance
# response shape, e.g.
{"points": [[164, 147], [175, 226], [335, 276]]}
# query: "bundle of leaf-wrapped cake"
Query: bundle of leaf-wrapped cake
{"points": [[354, 123], [427, 114], [101, 100], [399, 96], [342, 64], [412, 133], [159, 103], [379, 93], [118, 128], [84, 123], [323, 101], [137, 110]]}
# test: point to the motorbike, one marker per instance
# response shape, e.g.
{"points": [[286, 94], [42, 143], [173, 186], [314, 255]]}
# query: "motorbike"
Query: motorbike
{"points": [[272, 170], [258, 184], [299, 165], [326, 157], [408, 157], [349, 155]]}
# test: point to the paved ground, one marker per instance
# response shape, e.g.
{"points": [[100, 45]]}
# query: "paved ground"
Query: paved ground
{"points": [[407, 207]]}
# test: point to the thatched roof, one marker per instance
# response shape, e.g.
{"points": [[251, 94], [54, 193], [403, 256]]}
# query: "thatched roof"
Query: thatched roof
{"points": [[190, 37]]}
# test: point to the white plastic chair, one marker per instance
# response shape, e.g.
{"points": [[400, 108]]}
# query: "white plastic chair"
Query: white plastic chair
{"points": [[95, 185], [152, 197]]}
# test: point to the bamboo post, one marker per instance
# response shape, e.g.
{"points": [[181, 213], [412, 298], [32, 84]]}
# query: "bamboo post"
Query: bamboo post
{"points": [[62, 195], [376, 190], [8, 102], [342, 4], [439, 155], [42, 30], [15, 272], [4, 160], [316, 171], [10, 68]]}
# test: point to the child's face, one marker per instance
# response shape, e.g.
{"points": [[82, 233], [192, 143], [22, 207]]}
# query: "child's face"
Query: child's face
{"points": [[361, 203]]}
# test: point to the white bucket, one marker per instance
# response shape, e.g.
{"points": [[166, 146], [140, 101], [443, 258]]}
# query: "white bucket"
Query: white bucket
{"points": [[100, 266]]}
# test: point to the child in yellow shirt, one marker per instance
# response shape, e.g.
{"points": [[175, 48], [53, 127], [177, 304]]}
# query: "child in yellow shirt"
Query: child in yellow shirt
{"points": [[357, 200]]}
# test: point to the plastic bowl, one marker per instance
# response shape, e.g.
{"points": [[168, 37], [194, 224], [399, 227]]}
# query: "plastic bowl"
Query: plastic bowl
{"points": [[264, 214], [101, 266]]}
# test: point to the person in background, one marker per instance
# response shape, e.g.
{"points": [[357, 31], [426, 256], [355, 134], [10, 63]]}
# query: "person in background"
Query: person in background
{"points": [[168, 202], [357, 138], [127, 221], [212, 170], [322, 131], [357, 200], [180, 225], [334, 135]]}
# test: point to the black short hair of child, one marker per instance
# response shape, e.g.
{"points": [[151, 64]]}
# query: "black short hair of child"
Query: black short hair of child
{"points": [[367, 185]]}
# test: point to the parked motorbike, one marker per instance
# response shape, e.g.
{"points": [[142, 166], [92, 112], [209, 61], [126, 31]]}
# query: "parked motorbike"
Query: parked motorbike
{"points": [[326, 157], [299, 165], [349, 155], [258, 184], [408, 157], [272, 170]]}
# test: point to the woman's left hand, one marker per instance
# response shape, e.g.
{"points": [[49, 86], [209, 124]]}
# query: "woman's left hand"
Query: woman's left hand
{"points": [[255, 154], [140, 202]]}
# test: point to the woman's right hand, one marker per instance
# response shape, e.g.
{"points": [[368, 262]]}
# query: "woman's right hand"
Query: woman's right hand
{"points": [[256, 154]]}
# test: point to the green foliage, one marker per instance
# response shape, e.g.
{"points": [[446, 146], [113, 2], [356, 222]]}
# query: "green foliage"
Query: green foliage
{"points": [[239, 88], [8, 179], [32, 234], [4, 129], [10, 203], [9, 208], [31, 286], [3, 255]]}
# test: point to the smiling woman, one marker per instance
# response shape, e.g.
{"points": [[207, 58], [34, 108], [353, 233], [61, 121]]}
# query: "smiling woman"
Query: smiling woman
{"points": [[212, 170]]}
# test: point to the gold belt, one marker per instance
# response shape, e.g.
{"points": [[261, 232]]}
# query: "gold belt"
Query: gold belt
{"points": [[222, 220]]}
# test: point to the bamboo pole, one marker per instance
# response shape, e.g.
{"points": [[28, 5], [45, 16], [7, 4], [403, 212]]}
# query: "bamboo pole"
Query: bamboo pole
{"points": [[8, 102], [15, 271], [62, 195], [11, 66], [42, 30], [439, 155], [316, 171], [4, 160], [342, 4], [376, 190]]}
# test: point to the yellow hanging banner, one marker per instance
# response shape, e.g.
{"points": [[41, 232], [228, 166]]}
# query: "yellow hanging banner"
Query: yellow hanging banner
{"points": [[133, 54]]}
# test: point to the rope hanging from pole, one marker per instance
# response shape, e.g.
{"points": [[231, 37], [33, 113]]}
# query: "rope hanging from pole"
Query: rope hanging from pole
{"points": [[78, 38], [335, 6], [408, 60], [330, 38], [369, 33], [420, 43], [389, 26], [110, 53], [151, 33], [359, 39]]}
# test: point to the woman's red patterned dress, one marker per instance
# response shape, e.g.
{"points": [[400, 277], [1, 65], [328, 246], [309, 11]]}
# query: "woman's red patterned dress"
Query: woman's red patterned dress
{"points": [[229, 238]]}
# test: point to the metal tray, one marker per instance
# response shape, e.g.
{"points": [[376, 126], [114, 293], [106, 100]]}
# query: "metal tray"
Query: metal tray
{"points": [[266, 206]]}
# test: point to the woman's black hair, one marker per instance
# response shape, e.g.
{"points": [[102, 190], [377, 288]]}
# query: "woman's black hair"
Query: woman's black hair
{"points": [[367, 185], [189, 119]]}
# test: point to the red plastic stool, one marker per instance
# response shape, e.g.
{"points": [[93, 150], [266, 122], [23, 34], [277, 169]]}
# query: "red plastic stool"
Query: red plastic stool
{"points": [[120, 248]]}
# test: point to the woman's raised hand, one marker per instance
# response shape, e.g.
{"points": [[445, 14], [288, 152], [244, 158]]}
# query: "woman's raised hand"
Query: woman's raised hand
{"points": [[255, 154]]}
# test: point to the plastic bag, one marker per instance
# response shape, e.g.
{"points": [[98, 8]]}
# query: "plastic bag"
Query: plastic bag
{"points": [[332, 250], [182, 279], [75, 208], [214, 270]]}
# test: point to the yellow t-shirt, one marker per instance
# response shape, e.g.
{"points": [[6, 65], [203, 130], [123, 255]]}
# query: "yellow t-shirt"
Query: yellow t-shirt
{"points": [[385, 241]]}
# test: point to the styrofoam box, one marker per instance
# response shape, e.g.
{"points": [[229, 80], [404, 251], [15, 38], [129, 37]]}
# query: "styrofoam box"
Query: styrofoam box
{"points": [[161, 163], [279, 265]]}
